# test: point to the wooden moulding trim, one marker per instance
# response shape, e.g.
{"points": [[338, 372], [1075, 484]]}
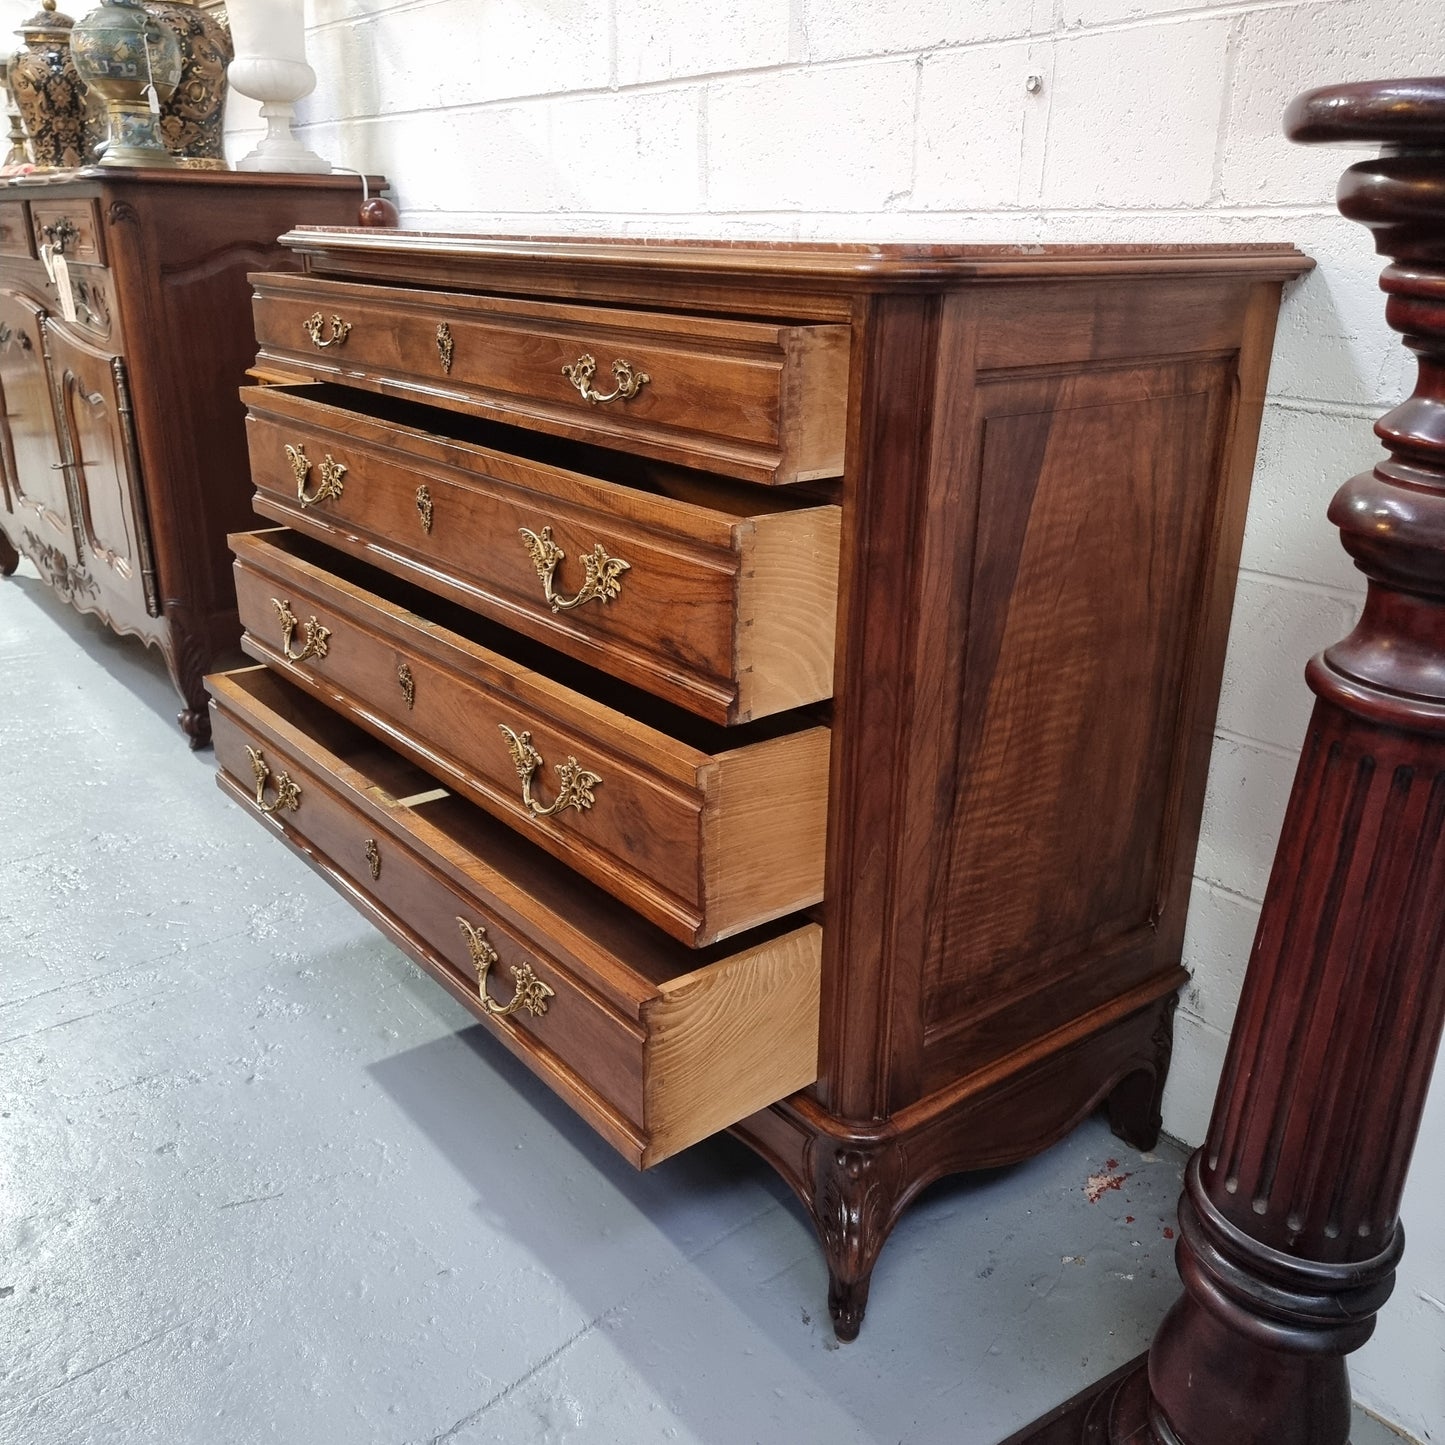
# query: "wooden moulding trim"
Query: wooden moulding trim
{"points": [[918, 1115], [731, 1039], [613, 1126], [878, 267]]}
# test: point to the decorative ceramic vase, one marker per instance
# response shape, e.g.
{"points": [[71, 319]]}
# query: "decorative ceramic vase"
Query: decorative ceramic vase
{"points": [[121, 52], [191, 120], [47, 90]]}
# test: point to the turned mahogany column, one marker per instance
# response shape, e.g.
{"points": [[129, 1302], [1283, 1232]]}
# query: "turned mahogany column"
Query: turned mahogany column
{"points": [[1289, 1232]]}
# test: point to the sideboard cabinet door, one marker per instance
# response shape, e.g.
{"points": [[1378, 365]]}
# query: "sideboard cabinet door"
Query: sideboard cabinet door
{"points": [[93, 402], [34, 480]]}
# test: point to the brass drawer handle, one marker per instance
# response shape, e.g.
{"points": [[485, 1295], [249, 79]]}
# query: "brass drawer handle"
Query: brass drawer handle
{"points": [[373, 858], [424, 508], [59, 234], [314, 637], [328, 488], [602, 578], [531, 993], [629, 382], [288, 795], [340, 330], [407, 683], [445, 346], [574, 782]]}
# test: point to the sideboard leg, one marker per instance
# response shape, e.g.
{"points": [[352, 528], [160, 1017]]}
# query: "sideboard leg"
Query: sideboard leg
{"points": [[1136, 1104], [187, 660], [855, 1203], [9, 557]]}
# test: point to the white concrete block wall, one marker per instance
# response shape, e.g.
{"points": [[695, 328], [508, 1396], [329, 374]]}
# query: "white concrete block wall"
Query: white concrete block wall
{"points": [[911, 119]]}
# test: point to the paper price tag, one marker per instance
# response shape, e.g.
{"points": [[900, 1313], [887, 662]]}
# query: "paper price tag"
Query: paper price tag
{"points": [[152, 99], [60, 270]]}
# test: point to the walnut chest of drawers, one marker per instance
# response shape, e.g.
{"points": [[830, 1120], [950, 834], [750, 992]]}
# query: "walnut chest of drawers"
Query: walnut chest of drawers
{"points": [[124, 331], [772, 686]]}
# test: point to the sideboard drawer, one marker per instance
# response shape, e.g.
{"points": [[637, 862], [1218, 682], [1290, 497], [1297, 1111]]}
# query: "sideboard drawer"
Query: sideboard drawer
{"points": [[761, 401], [15, 237], [720, 597], [706, 831], [71, 228], [656, 1045]]}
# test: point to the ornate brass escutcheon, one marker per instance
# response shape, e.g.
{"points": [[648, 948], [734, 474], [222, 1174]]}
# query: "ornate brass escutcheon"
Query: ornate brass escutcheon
{"points": [[629, 382], [314, 324], [531, 993], [445, 346], [288, 795], [328, 488], [602, 579], [407, 683], [314, 637], [574, 782], [424, 507], [373, 858]]}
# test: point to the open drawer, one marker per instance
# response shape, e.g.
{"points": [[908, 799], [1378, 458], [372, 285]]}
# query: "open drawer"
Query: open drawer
{"points": [[705, 830], [716, 596], [656, 1045], [763, 401]]}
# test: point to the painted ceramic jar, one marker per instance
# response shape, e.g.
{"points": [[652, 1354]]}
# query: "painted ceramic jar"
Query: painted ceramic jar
{"points": [[47, 90], [191, 120]]}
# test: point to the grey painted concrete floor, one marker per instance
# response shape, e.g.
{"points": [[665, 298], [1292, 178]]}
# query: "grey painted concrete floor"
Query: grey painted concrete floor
{"points": [[260, 1180]]}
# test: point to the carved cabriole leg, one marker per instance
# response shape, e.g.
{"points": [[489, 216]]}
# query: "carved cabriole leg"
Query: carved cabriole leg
{"points": [[1289, 1222], [188, 655], [856, 1180], [9, 557], [856, 1203], [1136, 1104]]}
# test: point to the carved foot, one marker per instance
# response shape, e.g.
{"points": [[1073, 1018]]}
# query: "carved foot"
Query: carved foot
{"points": [[1135, 1105], [855, 1203], [187, 657], [847, 1301], [9, 557], [196, 724]]}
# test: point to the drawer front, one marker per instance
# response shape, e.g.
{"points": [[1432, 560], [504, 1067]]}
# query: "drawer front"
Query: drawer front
{"points": [[663, 824], [15, 237], [70, 228], [761, 402], [731, 616], [655, 1059]]}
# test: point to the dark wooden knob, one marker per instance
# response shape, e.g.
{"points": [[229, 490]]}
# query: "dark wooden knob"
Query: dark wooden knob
{"points": [[378, 211]]}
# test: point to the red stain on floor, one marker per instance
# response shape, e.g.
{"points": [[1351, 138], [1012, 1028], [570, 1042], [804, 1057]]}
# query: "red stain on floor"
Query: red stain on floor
{"points": [[1168, 1233], [1096, 1186]]}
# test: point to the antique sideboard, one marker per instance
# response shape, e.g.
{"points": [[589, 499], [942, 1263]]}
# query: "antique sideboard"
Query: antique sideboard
{"points": [[772, 686], [124, 332]]}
